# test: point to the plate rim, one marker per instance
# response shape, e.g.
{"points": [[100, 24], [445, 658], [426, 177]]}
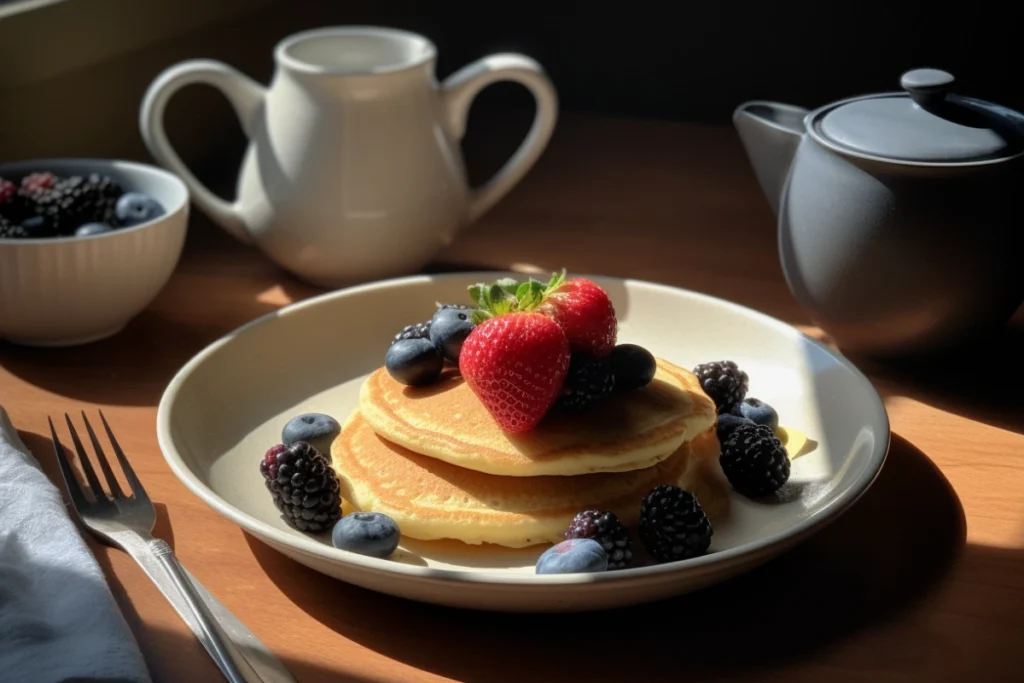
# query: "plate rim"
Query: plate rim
{"points": [[309, 547]]}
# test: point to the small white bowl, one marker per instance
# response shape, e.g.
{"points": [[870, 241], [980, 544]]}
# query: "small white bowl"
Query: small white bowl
{"points": [[63, 291]]}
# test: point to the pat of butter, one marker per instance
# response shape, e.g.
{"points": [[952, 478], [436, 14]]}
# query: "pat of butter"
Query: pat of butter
{"points": [[796, 442]]}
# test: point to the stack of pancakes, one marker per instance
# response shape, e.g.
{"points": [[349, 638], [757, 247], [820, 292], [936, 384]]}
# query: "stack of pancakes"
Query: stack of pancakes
{"points": [[433, 459]]}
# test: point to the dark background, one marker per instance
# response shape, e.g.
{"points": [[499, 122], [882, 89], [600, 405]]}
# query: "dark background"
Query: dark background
{"points": [[681, 61], [697, 60]]}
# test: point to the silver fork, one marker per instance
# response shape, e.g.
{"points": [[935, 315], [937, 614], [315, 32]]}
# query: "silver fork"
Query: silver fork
{"points": [[127, 523]]}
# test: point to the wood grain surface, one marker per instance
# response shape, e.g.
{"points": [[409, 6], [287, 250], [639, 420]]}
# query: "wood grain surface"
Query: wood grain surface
{"points": [[923, 580]]}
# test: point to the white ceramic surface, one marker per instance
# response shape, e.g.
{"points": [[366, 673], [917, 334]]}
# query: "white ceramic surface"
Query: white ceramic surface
{"points": [[227, 406], [63, 291], [354, 149]]}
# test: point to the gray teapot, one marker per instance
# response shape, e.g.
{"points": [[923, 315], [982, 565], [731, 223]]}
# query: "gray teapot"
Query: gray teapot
{"points": [[900, 214]]}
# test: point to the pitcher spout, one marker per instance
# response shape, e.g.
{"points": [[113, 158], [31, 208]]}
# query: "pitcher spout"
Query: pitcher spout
{"points": [[770, 133]]}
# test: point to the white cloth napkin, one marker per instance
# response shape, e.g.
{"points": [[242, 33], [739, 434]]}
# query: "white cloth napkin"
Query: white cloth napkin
{"points": [[58, 621]]}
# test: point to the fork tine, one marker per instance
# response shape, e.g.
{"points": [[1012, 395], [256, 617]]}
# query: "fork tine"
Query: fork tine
{"points": [[78, 499], [83, 459], [129, 473], [115, 488]]}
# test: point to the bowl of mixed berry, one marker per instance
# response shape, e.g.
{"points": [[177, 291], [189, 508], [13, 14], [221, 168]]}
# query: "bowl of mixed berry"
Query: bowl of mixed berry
{"points": [[85, 246]]}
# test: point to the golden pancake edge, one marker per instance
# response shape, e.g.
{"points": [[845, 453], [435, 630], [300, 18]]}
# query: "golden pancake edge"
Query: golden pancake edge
{"points": [[432, 500], [631, 430]]}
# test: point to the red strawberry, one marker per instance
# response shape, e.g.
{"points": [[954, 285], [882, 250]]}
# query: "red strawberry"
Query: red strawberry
{"points": [[515, 363], [7, 190], [586, 315]]}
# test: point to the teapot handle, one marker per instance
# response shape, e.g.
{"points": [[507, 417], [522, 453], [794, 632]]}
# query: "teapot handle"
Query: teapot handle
{"points": [[463, 86], [245, 96]]}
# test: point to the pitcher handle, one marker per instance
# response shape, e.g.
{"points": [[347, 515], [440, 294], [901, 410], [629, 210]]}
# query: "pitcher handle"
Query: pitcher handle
{"points": [[245, 96], [463, 86]]}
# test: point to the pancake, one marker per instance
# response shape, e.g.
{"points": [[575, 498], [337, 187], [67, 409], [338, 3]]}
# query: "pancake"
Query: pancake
{"points": [[433, 500], [629, 431]]}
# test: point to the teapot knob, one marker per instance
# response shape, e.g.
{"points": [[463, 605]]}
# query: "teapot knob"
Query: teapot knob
{"points": [[927, 86]]}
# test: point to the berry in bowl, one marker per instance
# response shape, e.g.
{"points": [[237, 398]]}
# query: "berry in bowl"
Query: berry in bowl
{"points": [[85, 246]]}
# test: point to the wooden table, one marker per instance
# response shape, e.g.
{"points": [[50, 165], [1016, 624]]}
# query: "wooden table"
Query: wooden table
{"points": [[923, 580]]}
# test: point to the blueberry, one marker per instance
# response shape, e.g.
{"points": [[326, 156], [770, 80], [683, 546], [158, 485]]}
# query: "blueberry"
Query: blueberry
{"points": [[413, 361], [448, 329], [316, 429], [727, 422], [92, 229], [633, 366], [134, 208], [36, 226], [758, 411], [366, 533], [574, 555]]}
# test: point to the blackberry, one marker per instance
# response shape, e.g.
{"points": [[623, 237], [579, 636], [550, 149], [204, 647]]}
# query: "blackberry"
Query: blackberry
{"points": [[723, 382], [589, 381], [673, 525], [727, 422], [304, 487], [9, 230], [13, 206], [100, 195], [754, 460], [605, 528], [417, 331], [70, 202]]}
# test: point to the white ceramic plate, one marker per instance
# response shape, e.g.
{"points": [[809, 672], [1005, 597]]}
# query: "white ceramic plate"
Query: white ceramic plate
{"points": [[227, 406]]}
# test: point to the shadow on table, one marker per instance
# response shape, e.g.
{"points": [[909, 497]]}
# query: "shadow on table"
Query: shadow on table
{"points": [[871, 565], [980, 381], [133, 367], [839, 592], [476, 648], [41, 447], [130, 368]]}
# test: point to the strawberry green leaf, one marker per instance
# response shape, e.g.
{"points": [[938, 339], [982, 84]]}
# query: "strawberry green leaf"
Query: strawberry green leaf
{"points": [[530, 295], [556, 281], [500, 301], [476, 293], [509, 296], [479, 315], [508, 285]]}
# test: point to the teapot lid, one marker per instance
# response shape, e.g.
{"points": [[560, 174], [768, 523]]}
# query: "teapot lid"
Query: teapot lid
{"points": [[925, 124]]}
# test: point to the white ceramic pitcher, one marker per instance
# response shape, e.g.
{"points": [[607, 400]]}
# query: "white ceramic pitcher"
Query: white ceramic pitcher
{"points": [[354, 169]]}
